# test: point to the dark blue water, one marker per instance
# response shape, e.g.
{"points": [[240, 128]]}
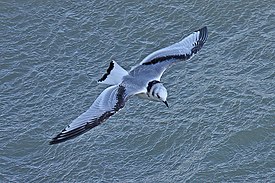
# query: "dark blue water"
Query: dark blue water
{"points": [[220, 126]]}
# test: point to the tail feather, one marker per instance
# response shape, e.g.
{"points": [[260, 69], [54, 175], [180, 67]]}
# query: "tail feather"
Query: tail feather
{"points": [[114, 74]]}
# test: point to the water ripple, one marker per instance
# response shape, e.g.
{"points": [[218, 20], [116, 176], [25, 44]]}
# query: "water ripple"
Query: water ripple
{"points": [[219, 128]]}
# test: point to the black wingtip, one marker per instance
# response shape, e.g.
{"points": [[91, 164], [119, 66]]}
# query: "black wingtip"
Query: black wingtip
{"points": [[203, 34], [64, 136], [52, 142]]}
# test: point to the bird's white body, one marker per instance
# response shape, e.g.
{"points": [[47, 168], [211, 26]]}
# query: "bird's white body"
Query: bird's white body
{"points": [[143, 80]]}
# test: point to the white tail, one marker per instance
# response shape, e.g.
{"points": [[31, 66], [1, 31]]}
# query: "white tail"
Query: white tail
{"points": [[114, 74]]}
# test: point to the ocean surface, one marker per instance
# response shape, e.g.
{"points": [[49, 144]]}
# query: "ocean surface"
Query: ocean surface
{"points": [[220, 126]]}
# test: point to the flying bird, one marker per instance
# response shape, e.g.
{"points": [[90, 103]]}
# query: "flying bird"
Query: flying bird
{"points": [[142, 80]]}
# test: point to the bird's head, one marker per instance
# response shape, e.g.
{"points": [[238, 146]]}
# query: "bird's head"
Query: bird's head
{"points": [[158, 92]]}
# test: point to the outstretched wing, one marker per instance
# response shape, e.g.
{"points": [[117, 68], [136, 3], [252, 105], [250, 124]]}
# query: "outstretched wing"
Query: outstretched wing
{"points": [[111, 100], [183, 50]]}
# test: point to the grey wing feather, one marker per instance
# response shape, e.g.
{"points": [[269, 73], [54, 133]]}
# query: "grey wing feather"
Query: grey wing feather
{"points": [[111, 100], [182, 50]]}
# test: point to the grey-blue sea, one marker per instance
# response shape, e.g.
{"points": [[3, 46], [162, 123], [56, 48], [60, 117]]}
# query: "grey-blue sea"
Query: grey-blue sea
{"points": [[220, 126]]}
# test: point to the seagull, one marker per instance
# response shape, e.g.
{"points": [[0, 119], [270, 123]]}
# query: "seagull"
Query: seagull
{"points": [[142, 80]]}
